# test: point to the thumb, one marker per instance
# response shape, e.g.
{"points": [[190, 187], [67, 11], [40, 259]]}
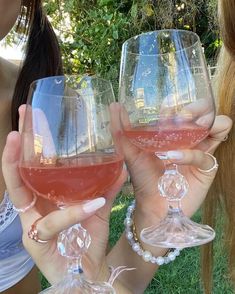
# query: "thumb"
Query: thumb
{"points": [[19, 194]]}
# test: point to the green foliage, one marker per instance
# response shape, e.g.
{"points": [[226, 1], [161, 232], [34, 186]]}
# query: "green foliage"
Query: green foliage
{"points": [[183, 275], [91, 32]]}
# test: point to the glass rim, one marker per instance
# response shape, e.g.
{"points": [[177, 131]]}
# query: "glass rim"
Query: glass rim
{"points": [[197, 41], [109, 88]]}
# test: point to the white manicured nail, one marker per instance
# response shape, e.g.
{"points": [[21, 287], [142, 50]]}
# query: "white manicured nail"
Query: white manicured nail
{"points": [[203, 122], [175, 155], [93, 205]]}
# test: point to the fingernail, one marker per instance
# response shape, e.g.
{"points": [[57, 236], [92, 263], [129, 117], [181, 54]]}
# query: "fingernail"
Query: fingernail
{"points": [[93, 205], [175, 155], [202, 122]]}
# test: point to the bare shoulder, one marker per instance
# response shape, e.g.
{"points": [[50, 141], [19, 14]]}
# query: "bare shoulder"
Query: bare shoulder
{"points": [[11, 68], [8, 75]]}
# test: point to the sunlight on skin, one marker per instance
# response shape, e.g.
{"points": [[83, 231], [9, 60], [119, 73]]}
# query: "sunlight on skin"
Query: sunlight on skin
{"points": [[118, 207], [10, 52]]}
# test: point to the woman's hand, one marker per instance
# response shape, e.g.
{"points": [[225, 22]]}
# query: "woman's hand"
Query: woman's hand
{"points": [[92, 217], [145, 170]]}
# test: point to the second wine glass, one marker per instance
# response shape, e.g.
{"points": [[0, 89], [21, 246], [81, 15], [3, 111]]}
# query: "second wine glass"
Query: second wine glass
{"points": [[168, 105], [68, 157]]}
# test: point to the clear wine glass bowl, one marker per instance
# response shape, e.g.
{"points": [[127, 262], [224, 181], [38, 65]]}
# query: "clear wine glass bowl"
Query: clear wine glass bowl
{"points": [[168, 105], [68, 157]]}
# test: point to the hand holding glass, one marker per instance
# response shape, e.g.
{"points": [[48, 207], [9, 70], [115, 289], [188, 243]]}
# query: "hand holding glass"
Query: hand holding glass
{"points": [[68, 156], [168, 105]]}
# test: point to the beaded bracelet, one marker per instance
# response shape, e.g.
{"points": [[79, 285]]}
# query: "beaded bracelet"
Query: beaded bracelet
{"points": [[132, 238]]}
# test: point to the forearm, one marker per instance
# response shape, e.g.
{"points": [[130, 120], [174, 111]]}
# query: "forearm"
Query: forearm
{"points": [[138, 279], [104, 275], [120, 288], [123, 254]]}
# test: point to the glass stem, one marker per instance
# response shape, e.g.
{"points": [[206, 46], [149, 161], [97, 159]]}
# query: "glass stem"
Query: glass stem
{"points": [[173, 186], [174, 206], [73, 244], [75, 265], [171, 167]]}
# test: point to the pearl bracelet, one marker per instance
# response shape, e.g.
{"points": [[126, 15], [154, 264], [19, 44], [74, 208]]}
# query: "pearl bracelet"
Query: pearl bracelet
{"points": [[136, 246]]}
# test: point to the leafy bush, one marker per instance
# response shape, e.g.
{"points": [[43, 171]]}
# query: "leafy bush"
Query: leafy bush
{"points": [[92, 32]]}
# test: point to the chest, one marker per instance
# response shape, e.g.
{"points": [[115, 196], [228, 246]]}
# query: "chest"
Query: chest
{"points": [[10, 230], [5, 128]]}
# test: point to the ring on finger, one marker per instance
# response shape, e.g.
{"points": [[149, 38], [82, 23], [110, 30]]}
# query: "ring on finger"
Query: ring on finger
{"points": [[214, 167], [33, 233], [225, 138], [220, 140], [28, 207]]}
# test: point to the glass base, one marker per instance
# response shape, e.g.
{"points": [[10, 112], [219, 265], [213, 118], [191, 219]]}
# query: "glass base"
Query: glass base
{"points": [[77, 284], [177, 231]]}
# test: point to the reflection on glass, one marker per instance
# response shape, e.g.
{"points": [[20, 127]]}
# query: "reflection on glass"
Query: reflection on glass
{"points": [[168, 105]]}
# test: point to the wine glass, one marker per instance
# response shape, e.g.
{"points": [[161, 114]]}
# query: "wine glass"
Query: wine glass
{"points": [[168, 105], [68, 157]]}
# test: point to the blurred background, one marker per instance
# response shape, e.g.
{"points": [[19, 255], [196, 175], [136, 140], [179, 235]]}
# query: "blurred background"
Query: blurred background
{"points": [[91, 32]]}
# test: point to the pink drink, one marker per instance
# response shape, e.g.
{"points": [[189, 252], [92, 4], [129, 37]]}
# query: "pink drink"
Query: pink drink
{"points": [[167, 136], [72, 180]]}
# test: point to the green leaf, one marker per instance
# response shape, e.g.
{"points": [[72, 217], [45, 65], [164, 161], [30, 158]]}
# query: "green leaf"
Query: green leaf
{"points": [[104, 2], [134, 10], [115, 34]]}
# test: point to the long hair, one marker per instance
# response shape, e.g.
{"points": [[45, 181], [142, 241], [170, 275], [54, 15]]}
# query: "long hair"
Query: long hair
{"points": [[42, 56], [221, 195]]}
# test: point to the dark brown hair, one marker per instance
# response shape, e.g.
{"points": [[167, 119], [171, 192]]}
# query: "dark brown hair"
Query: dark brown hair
{"points": [[221, 197], [42, 56]]}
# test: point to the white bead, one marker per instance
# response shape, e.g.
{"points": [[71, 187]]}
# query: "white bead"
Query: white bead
{"points": [[136, 247], [147, 256], [171, 256], [128, 222], [128, 215], [140, 252], [160, 260], [167, 260], [129, 235], [131, 242], [127, 229], [177, 252]]}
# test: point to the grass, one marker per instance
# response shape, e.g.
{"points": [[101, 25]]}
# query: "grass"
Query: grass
{"points": [[183, 275]]}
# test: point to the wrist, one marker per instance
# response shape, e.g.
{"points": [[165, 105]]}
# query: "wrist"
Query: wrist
{"points": [[105, 275], [137, 221], [104, 272], [149, 211], [120, 288]]}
